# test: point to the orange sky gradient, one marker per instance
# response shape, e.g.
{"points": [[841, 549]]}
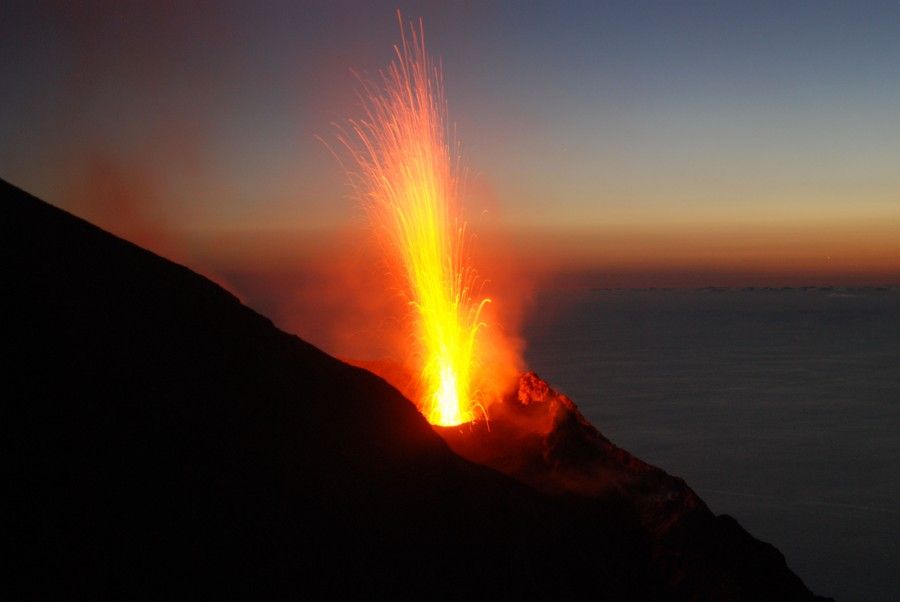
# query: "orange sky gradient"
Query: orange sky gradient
{"points": [[667, 146]]}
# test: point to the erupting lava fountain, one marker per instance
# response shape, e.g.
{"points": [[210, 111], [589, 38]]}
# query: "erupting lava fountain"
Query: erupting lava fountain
{"points": [[409, 182]]}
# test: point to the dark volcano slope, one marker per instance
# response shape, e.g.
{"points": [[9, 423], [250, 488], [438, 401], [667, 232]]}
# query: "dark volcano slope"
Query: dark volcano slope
{"points": [[168, 442]]}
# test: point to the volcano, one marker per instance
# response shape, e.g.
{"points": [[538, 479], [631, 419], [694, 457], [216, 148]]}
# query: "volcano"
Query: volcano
{"points": [[166, 441]]}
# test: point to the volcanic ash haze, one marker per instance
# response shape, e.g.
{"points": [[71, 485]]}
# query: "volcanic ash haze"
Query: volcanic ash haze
{"points": [[408, 177]]}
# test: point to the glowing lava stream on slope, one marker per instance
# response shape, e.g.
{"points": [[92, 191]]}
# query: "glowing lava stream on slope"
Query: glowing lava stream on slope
{"points": [[409, 182]]}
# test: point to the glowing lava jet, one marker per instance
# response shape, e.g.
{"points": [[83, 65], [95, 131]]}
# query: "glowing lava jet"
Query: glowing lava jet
{"points": [[409, 182]]}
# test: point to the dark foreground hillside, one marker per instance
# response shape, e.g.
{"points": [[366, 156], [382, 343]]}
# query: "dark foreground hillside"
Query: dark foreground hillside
{"points": [[168, 442]]}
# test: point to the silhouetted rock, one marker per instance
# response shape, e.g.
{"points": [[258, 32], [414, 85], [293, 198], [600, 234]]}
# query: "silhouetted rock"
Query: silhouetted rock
{"points": [[168, 442], [539, 437]]}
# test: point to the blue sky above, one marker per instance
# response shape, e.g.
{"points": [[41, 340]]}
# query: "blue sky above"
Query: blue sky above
{"points": [[572, 115]]}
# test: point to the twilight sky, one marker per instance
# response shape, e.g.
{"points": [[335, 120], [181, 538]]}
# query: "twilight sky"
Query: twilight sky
{"points": [[690, 143]]}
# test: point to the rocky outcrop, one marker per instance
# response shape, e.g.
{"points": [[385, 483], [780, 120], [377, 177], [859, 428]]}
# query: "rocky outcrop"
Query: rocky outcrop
{"points": [[539, 437]]}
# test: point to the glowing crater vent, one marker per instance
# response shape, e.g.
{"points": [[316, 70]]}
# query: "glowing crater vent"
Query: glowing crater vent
{"points": [[409, 181]]}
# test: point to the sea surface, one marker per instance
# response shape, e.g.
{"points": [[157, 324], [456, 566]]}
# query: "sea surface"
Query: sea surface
{"points": [[780, 407]]}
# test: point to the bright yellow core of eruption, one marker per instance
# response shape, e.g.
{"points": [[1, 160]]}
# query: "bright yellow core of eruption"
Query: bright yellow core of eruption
{"points": [[409, 183]]}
